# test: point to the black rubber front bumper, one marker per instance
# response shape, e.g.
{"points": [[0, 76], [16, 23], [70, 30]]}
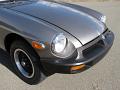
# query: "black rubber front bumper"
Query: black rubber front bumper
{"points": [[92, 52]]}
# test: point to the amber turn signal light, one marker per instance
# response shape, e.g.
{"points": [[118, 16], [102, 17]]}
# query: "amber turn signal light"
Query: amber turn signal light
{"points": [[38, 45], [77, 67]]}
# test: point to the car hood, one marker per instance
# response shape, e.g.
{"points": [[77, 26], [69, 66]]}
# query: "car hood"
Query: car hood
{"points": [[81, 25]]}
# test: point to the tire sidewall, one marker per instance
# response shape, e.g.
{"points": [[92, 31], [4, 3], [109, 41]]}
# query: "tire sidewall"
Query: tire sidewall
{"points": [[38, 76]]}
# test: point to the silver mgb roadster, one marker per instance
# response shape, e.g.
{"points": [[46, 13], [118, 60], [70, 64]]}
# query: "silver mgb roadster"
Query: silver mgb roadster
{"points": [[45, 37]]}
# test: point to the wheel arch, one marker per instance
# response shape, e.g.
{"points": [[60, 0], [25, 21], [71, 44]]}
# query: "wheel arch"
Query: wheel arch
{"points": [[10, 38]]}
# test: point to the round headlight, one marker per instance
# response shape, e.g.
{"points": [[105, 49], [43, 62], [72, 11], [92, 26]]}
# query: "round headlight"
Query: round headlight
{"points": [[59, 43], [103, 19]]}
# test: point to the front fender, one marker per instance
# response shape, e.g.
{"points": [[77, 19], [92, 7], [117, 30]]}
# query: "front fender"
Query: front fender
{"points": [[32, 28]]}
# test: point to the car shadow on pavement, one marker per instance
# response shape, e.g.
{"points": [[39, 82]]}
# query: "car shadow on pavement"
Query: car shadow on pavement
{"points": [[5, 60]]}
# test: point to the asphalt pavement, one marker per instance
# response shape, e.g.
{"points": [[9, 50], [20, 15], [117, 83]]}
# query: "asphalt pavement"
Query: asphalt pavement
{"points": [[105, 75]]}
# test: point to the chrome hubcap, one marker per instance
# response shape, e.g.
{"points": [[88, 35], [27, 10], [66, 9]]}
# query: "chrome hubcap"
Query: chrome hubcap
{"points": [[24, 63]]}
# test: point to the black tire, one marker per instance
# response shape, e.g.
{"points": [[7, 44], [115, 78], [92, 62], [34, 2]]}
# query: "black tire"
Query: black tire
{"points": [[35, 60]]}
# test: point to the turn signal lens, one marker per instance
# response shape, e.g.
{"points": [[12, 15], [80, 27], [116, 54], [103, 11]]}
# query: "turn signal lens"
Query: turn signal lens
{"points": [[103, 19], [38, 45], [77, 67]]}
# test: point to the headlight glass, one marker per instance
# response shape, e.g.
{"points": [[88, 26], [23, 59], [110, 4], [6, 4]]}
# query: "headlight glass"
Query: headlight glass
{"points": [[59, 43], [103, 19]]}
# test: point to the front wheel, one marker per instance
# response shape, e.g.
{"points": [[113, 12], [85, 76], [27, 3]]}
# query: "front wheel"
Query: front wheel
{"points": [[26, 63]]}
